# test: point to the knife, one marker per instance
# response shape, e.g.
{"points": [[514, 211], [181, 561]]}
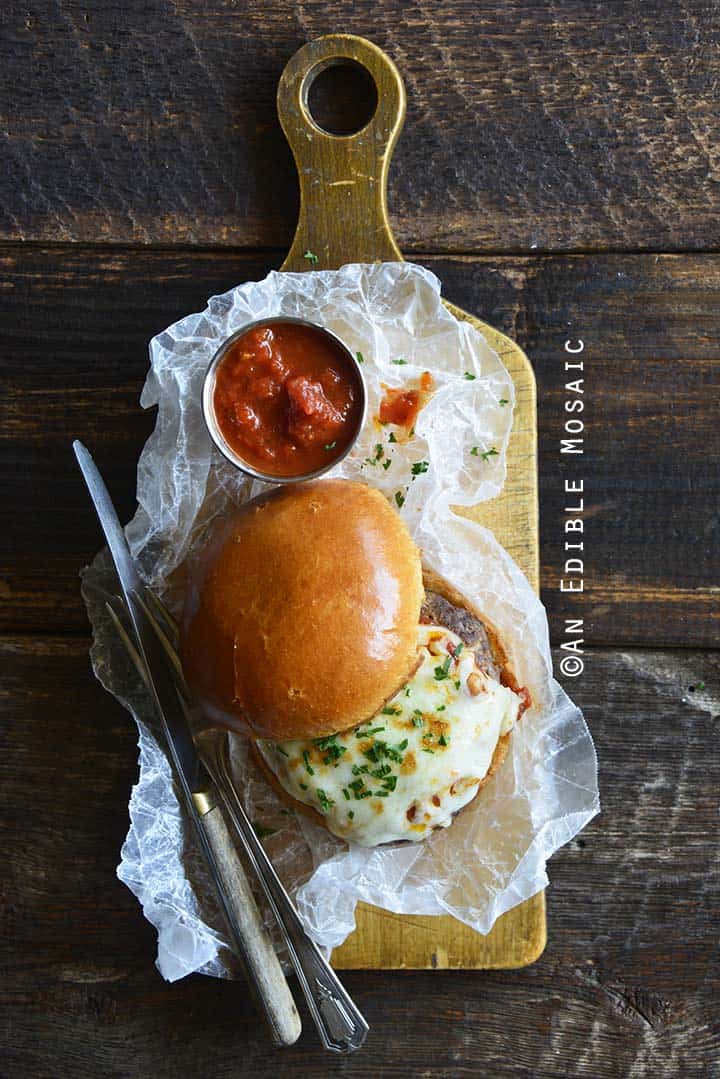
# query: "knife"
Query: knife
{"points": [[247, 934]]}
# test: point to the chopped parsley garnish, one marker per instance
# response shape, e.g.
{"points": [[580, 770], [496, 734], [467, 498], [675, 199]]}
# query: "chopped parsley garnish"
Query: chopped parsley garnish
{"points": [[372, 753], [386, 464], [261, 831], [311, 257], [333, 754], [346, 794], [390, 783], [359, 769], [380, 794], [427, 737], [418, 721], [395, 752], [400, 499], [323, 799], [381, 772], [308, 767], [281, 750], [366, 734], [356, 785], [474, 451], [303, 786], [419, 467], [379, 749], [389, 710], [407, 692], [378, 451], [441, 673], [442, 740], [323, 743], [399, 362], [470, 377], [330, 445], [359, 357], [351, 815], [391, 437], [504, 401], [458, 650], [457, 684], [441, 708], [426, 750], [492, 452], [700, 685]]}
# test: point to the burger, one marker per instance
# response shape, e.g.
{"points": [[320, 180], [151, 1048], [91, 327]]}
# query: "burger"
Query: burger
{"points": [[377, 699]]}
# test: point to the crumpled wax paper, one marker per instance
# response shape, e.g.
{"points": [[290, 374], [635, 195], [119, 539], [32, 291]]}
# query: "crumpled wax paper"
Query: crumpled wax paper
{"points": [[494, 855]]}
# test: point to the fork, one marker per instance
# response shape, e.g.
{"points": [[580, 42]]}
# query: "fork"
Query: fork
{"points": [[341, 1026]]}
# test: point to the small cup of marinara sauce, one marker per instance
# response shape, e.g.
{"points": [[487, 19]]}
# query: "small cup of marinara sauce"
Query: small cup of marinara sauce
{"points": [[284, 399]]}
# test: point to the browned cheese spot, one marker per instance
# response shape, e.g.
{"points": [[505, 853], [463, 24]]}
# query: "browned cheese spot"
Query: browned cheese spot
{"points": [[438, 726], [476, 684], [463, 784], [409, 764]]}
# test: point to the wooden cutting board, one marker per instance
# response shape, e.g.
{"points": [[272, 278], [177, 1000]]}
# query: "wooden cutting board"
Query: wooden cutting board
{"points": [[343, 218]]}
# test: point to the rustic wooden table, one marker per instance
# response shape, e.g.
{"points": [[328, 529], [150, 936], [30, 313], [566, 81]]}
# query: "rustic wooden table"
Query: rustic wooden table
{"points": [[559, 171]]}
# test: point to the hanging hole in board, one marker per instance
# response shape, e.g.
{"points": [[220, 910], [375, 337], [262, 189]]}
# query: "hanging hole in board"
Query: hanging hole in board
{"points": [[340, 96]]}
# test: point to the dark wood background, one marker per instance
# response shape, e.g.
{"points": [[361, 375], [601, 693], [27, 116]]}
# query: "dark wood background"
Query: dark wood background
{"points": [[559, 170]]}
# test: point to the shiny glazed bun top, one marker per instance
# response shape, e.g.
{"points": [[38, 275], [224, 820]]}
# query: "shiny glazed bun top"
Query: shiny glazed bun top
{"points": [[302, 616]]}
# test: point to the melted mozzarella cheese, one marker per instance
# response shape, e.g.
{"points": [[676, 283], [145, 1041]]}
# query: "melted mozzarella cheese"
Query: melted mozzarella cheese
{"points": [[416, 763]]}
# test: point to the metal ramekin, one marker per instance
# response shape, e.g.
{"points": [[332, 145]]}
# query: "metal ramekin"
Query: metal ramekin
{"points": [[209, 411]]}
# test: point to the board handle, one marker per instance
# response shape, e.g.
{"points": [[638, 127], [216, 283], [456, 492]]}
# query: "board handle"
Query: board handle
{"points": [[343, 178]]}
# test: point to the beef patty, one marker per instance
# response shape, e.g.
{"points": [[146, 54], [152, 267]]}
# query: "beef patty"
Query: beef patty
{"points": [[441, 612]]}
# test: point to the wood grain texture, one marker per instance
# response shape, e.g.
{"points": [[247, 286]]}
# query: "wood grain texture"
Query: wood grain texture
{"points": [[530, 128], [75, 354], [562, 126], [628, 985]]}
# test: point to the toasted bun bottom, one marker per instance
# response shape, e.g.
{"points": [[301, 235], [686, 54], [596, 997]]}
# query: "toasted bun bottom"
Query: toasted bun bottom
{"points": [[435, 583]]}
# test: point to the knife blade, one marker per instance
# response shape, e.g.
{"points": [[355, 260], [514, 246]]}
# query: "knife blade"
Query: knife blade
{"points": [[190, 769], [233, 891]]}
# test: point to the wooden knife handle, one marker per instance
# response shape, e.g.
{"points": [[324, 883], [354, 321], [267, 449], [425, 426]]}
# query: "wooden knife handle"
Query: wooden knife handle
{"points": [[251, 938], [343, 178]]}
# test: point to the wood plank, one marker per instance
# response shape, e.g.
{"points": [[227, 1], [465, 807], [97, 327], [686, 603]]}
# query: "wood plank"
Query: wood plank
{"points": [[628, 984], [75, 358], [529, 126]]}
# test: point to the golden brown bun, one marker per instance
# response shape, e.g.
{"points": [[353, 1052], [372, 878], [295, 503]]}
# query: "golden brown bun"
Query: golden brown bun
{"points": [[434, 583], [302, 619]]}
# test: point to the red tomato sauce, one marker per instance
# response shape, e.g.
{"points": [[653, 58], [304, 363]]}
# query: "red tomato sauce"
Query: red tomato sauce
{"points": [[401, 406], [286, 399]]}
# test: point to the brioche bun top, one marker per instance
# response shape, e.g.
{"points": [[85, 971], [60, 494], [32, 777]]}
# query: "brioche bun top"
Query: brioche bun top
{"points": [[301, 617]]}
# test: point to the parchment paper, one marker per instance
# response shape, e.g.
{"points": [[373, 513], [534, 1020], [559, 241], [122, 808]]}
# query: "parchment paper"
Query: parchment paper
{"points": [[494, 855]]}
